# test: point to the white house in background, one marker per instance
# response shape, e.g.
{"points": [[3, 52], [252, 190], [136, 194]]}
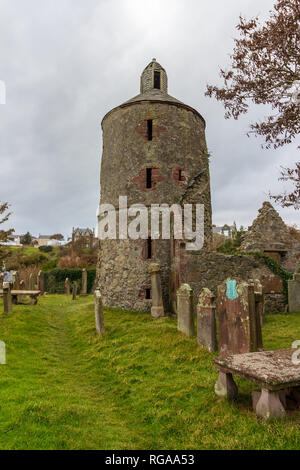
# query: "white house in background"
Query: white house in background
{"points": [[226, 230], [46, 240], [14, 240], [43, 240]]}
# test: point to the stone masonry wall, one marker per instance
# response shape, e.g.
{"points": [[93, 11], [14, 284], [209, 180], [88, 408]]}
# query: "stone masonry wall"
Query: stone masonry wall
{"points": [[209, 269], [178, 143]]}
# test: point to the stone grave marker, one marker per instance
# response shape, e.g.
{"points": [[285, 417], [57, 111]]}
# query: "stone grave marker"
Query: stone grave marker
{"points": [[99, 317], [7, 299], [74, 290], [17, 281], [22, 287], [84, 282], [157, 308], [237, 320], [294, 292], [239, 327], [32, 282], [185, 317], [67, 286], [41, 282], [2, 353], [206, 320]]}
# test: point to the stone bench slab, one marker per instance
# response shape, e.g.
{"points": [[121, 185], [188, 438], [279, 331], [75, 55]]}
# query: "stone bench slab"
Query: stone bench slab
{"points": [[271, 370]]}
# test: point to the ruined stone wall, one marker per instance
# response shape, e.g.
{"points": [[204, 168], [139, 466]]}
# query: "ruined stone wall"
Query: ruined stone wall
{"points": [[209, 269], [269, 234], [178, 143]]}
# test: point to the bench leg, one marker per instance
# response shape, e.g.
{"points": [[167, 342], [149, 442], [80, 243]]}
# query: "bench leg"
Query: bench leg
{"points": [[269, 405], [225, 386], [33, 301]]}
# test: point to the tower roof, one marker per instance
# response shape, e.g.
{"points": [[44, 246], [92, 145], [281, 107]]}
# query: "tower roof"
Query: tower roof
{"points": [[154, 87]]}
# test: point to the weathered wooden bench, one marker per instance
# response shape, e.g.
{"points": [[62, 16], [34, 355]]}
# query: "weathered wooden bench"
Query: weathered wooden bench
{"points": [[17, 294], [274, 372]]}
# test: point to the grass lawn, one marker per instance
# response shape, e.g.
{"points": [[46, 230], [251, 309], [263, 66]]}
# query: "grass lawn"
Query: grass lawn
{"points": [[142, 386], [29, 250]]}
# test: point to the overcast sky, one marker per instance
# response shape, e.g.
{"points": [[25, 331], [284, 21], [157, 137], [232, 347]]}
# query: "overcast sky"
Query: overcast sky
{"points": [[67, 62]]}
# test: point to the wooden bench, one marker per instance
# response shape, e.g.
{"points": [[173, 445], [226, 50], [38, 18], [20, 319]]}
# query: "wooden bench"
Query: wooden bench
{"points": [[275, 372], [16, 294]]}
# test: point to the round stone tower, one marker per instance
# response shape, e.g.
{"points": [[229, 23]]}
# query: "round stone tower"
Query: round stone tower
{"points": [[154, 152]]}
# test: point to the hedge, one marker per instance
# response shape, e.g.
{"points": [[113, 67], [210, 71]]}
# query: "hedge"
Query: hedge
{"points": [[55, 279]]}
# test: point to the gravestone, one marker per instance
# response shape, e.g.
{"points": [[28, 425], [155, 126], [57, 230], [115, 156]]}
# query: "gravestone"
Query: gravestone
{"points": [[239, 327], [8, 276], [157, 308], [259, 300], [2, 353], [16, 285], [84, 282], [237, 319], [31, 282], [294, 293], [7, 299], [185, 317], [99, 318], [22, 287], [74, 290], [206, 320], [259, 311], [67, 286], [41, 282]]}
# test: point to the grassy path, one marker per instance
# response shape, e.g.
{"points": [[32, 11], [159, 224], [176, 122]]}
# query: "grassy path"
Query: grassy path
{"points": [[141, 386]]}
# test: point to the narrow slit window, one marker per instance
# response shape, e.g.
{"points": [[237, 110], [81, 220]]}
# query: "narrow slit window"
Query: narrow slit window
{"points": [[180, 175], [149, 178], [149, 248], [157, 80], [149, 129], [148, 293]]}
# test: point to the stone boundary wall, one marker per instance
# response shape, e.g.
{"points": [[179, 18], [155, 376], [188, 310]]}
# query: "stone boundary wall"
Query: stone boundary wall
{"points": [[209, 269]]}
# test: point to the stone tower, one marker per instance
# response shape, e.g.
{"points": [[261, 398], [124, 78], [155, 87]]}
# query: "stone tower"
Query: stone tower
{"points": [[154, 152]]}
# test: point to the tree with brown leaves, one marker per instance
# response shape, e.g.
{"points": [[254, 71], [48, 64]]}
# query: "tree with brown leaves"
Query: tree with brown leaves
{"points": [[292, 198], [266, 70], [4, 234]]}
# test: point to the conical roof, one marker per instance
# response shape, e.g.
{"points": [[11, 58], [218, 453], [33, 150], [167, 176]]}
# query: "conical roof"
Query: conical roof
{"points": [[155, 90]]}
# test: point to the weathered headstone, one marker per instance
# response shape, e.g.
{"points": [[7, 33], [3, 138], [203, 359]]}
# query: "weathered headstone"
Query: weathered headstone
{"points": [[185, 317], [32, 281], [74, 290], [206, 320], [259, 300], [99, 318], [259, 312], [157, 308], [16, 285], [239, 327], [294, 293], [41, 282], [7, 299], [67, 286], [237, 323], [2, 353], [8, 276], [84, 282], [22, 287]]}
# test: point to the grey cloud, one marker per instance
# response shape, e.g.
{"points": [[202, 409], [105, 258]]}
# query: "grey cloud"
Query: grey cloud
{"points": [[66, 63]]}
